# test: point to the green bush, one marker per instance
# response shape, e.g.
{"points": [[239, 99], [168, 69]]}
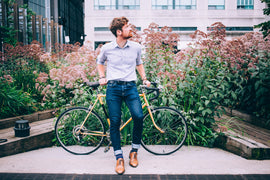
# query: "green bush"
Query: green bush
{"points": [[22, 65], [14, 102], [256, 91]]}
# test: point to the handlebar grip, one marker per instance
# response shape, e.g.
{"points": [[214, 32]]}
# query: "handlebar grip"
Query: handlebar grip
{"points": [[153, 90]]}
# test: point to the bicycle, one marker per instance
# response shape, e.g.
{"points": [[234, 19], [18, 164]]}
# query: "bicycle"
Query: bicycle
{"points": [[81, 130]]}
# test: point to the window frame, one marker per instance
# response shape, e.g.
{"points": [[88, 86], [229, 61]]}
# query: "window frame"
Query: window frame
{"points": [[174, 5], [217, 6], [245, 4], [116, 5]]}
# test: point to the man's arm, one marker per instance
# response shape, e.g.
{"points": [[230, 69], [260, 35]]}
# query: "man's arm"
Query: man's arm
{"points": [[101, 72], [141, 71]]}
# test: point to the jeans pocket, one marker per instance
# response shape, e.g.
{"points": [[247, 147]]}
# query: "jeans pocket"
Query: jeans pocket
{"points": [[131, 84], [111, 85]]}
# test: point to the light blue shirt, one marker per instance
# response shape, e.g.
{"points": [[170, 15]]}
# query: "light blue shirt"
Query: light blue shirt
{"points": [[121, 62]]}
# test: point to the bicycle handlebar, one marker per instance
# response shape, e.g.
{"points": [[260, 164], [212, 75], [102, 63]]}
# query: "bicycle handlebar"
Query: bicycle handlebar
{"points": [[156, 89], [151, 90]]}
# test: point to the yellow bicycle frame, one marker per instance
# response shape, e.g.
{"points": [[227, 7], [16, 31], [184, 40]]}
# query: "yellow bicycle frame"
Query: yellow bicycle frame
{"points": [[100, 100]]}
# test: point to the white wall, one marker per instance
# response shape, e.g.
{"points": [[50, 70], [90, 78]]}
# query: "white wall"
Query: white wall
{"points": [[200, 18]]}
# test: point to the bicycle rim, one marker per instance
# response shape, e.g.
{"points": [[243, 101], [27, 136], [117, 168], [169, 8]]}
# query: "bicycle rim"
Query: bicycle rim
{"points": [[74, 137], [174, 126]]}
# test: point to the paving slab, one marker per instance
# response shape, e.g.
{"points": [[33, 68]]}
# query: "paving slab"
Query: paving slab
{"points": [[188, 160]]}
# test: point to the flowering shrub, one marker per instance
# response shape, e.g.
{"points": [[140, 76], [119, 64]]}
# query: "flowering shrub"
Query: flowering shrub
{"points": [[183, 76], [17, 66], [210, 73], [160, 55], [246, 59], [255, 70], [71, 66]]}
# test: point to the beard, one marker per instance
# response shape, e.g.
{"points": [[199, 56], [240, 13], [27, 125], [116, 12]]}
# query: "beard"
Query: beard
{"points": [[130, 35]]}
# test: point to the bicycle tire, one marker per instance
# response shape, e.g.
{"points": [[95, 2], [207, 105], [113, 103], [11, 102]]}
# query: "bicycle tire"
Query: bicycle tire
{"points": [[169, 120], [67, 126]]}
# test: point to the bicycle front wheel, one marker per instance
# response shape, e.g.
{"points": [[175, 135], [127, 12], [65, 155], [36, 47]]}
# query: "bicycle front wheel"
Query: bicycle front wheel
{"points": [[173, 134], [76, 137]]}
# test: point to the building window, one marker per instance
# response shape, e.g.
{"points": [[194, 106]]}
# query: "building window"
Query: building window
{"points": [[231, 28], [162, 4], [116, 4], [99, 43], [245, 4], [184, 28], [101, 29], [185, 4], [173, 4], [216, 4], [128, 4], [37, 6], [104, 4], [239, 28]]}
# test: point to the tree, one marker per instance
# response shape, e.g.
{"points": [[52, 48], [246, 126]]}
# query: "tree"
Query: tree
{"points": [[265, 26]]}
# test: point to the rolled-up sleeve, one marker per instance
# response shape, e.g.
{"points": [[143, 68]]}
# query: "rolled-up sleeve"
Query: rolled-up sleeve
{"points": [[101, 58]]}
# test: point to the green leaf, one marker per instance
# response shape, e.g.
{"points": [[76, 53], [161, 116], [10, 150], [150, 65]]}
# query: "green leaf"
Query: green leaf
{"points": [[201, 108], [209, 111], [233, 95], [257, 84], [207, 102]]}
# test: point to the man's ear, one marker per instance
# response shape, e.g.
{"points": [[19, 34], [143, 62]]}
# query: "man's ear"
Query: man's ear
{"points": [[118, 32]]}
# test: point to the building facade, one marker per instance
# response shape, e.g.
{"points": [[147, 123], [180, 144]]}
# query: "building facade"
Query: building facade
{"points": [[70, 15], [184, 16], [54, 21]]}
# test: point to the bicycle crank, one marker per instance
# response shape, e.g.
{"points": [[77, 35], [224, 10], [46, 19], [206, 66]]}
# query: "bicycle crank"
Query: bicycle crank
{"points": [[77, 132]]}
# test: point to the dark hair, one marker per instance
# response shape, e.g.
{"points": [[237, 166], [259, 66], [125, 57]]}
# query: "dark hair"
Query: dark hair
{"points": [[117, 24]]}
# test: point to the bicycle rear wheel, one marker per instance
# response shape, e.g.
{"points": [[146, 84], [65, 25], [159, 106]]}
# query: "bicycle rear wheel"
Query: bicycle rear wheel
{"points": [[74, 137], [174, 126]]}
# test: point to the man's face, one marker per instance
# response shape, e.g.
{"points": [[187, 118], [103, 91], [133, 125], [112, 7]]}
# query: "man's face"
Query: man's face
{"points": [[126, 31]]}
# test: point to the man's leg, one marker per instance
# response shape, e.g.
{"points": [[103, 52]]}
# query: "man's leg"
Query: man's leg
{"points": [[133, 102], [114, 102]]}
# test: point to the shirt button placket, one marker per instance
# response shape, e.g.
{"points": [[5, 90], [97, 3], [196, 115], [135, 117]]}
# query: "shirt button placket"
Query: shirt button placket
{"points": [[122, 54]]}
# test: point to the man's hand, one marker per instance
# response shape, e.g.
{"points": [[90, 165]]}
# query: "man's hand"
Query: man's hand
{"points": [[103, 81], [147, 83]]}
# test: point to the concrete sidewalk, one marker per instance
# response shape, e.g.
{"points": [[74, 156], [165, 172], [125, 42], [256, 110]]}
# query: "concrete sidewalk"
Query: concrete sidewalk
{"points": [[188, 160]]}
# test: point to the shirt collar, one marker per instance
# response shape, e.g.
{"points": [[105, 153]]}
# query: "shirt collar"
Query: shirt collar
{"points": [[116, 45]]}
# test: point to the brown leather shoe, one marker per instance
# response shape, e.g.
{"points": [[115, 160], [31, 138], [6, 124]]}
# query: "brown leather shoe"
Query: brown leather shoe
{"points": [[133, 161], [120, 168]]}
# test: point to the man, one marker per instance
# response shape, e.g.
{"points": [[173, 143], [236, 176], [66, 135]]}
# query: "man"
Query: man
{"points": [[123, 57]]}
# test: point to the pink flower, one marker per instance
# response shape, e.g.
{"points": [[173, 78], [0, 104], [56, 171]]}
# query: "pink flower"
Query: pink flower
{"points": [[8, 78], [42, 77]]}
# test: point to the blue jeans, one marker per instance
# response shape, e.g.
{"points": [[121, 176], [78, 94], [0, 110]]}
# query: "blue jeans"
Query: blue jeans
{"points": [[118, 92]]}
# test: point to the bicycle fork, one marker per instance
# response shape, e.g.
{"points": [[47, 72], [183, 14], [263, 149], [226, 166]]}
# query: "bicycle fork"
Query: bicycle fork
{"points": [[150, 113]]}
